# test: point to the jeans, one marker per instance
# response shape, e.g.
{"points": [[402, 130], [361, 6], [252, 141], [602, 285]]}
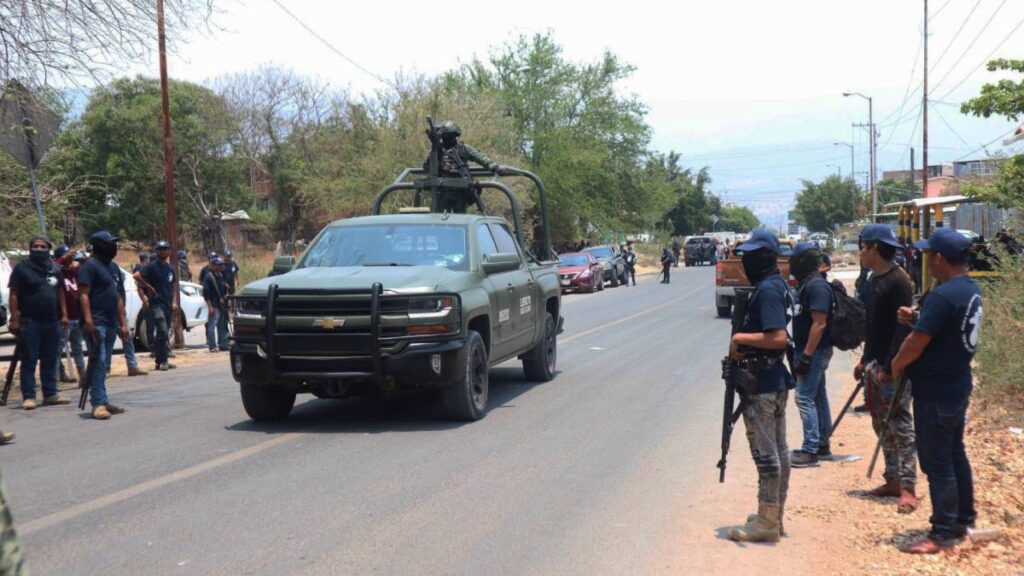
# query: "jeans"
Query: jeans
{"points": [[101, 348], [161, 346], [38, 342], [129, 352], [72, 335], [765, 420], [812, 400], [939, 431], [632, 274], [217, 330], [147, 314]]}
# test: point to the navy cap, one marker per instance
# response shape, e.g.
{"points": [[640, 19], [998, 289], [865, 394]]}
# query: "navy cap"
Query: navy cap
{"points": [[143, 255], [103, 236], [228, 253], [802, 247], [162, 245], [79, 256], [61, 250], [760, 239], [947, 242], [211, 255], [216, 260], [879, 233], [182, 255]]}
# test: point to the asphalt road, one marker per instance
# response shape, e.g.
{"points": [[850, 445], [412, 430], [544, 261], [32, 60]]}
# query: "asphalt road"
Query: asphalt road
{"points": [[585, 474]]}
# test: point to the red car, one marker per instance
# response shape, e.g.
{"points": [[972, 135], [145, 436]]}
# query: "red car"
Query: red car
{"points": [[580, 271]]}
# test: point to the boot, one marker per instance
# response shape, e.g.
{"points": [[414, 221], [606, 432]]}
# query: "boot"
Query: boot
{"points": [[782, 513], [56, 400], [136, 371], [100, 413], [763, 528]]}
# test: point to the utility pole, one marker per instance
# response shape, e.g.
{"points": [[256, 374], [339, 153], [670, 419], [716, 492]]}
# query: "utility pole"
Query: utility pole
{"points": [[853, 169], [172, 226], [924, 108], [911, 165], [872, 149]]}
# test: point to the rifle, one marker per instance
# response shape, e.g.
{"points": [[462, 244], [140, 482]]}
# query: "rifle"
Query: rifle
{"points": [[11, 369], [900, 386], [846, 407], [729, 414], [90, 367]]}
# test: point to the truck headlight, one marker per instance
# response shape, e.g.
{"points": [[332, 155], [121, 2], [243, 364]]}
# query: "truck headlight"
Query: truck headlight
{"points": [[248, 308], [434, 316], [431, 307]]}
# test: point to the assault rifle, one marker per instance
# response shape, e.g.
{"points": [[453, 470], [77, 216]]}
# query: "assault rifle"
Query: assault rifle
{"points": [[90, 367], [730, 371]]}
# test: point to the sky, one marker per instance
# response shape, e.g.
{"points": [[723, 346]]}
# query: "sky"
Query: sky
{"points": [[750, 88]]}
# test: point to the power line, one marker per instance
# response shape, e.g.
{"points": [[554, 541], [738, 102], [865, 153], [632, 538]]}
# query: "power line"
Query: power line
{"points": [[913, 132], [329, 45], [955, 36], [980, 148], [981, 32], [985, 60], [910, 82], [939, 11], [944, 121]]}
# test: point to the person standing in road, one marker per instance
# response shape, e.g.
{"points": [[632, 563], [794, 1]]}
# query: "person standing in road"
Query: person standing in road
{"points": [[72, 337], [38, 314], [231, 271], [666, 265], [206, 269], [103, 318], [127, 344], [762, 340], [629, 257], [813, 354], [214, 291], [157, 279], [891, 289], [937, 357], [147, 311]]}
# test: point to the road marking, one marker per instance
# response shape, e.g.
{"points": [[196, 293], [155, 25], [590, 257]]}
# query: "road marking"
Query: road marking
{"points": [[150, 485], [632, 317]]}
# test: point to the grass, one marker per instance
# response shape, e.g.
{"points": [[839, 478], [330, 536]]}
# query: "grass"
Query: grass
{"points": [[1000, 363]]}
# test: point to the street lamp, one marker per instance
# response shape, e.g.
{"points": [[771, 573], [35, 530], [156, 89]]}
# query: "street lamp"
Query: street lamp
{"points": [[838, 168], [850, 146], [871, 145]]}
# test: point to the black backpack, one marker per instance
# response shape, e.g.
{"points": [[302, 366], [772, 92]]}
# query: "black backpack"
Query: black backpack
{"points": [[848, 327]]}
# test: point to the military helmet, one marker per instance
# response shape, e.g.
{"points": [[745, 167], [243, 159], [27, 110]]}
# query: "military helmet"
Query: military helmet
{"points": [[450, 128]]}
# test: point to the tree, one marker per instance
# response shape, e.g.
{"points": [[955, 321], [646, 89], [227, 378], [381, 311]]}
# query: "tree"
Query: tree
{"points": [[890, 191], [737, 219], [694, 202], [821, 205], [1004, 98]]}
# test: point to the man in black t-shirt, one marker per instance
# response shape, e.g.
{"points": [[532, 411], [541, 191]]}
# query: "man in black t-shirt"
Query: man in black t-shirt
{"points": [[231, 270], [891, 289], [763, 334], [158, 280], [629, 257], [214, 291], [103, 318], [38, 315]]}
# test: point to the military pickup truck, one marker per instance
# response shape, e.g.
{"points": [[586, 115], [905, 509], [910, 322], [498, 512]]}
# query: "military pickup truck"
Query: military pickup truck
{"points": [[428, 298]]}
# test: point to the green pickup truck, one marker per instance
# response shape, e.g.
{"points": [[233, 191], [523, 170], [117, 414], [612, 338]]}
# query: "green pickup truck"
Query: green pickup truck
{"points": [[392, 303]]}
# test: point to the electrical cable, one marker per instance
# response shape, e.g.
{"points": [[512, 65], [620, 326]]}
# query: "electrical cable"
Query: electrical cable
{"points": [[955, 36], [985, 60], [944, 121], [981, 32]]}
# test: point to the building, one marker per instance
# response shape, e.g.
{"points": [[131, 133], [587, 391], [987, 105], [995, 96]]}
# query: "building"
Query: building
{"points": [[945, 179]]}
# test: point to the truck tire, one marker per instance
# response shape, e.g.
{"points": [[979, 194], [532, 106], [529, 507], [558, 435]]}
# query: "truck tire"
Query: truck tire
{"points": [[624, 279], [266, 404], [724, 311], [539, 363], [466, 398], [615, 279]]}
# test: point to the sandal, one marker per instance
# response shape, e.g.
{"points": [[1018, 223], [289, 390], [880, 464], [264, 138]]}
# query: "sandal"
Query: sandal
{"points": [[885, 490], [925, 546], [908, 502]]}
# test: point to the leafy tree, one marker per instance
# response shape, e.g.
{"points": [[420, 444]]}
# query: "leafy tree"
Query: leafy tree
{"points": [[820, 205], [890, 191], [737, 219], [1004, 98]]}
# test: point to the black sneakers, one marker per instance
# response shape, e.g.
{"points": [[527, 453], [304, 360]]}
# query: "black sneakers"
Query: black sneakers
{"points": [[801, 459]]}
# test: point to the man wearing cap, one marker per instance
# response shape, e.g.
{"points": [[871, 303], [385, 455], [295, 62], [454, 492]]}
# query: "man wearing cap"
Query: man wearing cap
{"points": [[891, 289], [38, 314], [214, 291], [206, 269], [761, 344], [157, 279], [937, 357], [73, 334], [103, 318], [813, 353], [231, 271]]}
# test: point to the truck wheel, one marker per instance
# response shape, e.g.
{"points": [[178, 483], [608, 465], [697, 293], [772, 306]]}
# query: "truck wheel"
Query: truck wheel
{"points": [[624, 279], [142, 343], [539, 363], [615, 279], [263, 403], [724, 311], [466, 398]]}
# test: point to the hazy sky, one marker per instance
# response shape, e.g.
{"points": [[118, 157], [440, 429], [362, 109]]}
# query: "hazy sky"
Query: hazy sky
{"points": [[751, 88]]}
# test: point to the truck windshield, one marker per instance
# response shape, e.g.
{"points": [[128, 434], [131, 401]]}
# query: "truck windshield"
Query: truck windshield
{"points": [[435, 245], [574, 260]]}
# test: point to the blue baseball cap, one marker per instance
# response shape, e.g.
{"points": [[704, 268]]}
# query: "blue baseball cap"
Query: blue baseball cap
{"points": [[802, 247], [760, 239], [211, 255], [947, 242], [162, 245], [228, 253], [216, 260], [61, 250], [879, 233], [103, 236]]}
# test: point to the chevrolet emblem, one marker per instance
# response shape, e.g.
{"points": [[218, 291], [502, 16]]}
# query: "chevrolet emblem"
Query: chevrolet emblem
{"points": [[329, 323]]}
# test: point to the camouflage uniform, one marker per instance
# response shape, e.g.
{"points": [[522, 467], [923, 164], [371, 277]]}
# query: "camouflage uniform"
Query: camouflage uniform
{"points": [[11, 561], [449, 132], [765, 421], [898, 445]]}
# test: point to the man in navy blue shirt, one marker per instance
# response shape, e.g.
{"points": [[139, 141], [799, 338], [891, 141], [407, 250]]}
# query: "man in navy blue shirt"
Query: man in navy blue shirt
{"points": [[231, 271], [813, 353], [214, 291], [937, 358], [103, 318], [158, 280], [760, 344], [38, 314]]}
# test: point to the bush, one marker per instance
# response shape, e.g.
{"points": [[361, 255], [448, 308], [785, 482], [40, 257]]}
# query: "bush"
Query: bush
{"points": [[1000, 364]]}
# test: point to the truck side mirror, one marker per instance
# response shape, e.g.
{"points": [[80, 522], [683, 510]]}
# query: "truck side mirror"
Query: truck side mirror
{"points": [[502, 262], [283, 264]]}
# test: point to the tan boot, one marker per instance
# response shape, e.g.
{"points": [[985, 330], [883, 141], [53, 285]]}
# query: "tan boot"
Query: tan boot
{"points": [[136, 371], [114, 410], [28, 404], [6, 437], [763, 528], [782, 513], [100, 413], [55, 400]]}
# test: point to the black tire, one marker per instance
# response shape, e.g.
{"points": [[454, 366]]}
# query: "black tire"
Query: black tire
{"points": [[615, 279], [466, 398], [624, 279], [265, 403], [540, 362], [724, 311], [142, 343]]}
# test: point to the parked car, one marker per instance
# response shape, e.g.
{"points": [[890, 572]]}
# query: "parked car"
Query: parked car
{"points": [[580, 271], [611, 262]]}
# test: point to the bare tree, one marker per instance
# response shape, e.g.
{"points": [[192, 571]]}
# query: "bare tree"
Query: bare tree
{"points": [[55, 42]]}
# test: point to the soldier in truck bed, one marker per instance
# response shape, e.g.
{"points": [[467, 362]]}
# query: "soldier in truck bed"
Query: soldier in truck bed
{"points": [[450, 144]]}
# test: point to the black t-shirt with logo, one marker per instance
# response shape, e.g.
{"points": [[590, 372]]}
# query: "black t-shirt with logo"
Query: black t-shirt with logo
{"points": [[161, 277], [767, 311], [38, 288], [951, 315], [103, 291]]}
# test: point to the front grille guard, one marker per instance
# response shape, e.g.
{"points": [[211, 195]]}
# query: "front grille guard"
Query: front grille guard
{"points": [[271, 327]]}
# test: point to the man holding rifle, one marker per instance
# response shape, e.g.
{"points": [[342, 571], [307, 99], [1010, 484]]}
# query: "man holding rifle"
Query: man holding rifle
{"points": [[759, 347], [937, 357], [103, 318], [891, 289], [214, 291]]}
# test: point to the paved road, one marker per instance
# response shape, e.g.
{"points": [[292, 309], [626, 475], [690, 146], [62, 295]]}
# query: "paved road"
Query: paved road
{"points": [[585, 474]]}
